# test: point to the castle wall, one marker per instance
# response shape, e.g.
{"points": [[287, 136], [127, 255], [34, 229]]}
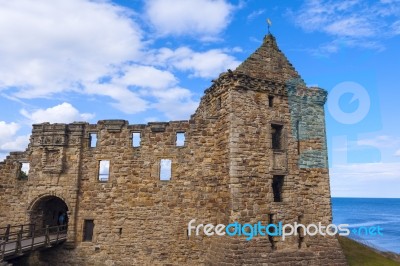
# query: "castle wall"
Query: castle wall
{"points": [[137, 217], [138, 213], [11, 189]]}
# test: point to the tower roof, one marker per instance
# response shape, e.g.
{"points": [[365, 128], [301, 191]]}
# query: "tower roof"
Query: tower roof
{"points": [[268, 62]]}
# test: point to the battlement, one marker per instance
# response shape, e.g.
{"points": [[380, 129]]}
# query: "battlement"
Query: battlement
{"points": [[47, 134]]}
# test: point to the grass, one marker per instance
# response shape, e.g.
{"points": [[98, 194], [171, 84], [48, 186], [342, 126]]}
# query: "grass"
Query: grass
{"points": [[359, 254]]}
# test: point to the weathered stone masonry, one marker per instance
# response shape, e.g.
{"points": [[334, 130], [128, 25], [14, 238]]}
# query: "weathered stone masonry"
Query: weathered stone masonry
{"points": [[255, 150]]}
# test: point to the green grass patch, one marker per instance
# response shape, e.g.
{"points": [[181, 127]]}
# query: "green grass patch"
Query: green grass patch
{"points": [[359, 254]]}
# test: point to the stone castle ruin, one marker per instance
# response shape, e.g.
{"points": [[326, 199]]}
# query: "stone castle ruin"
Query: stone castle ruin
{"points": [[254, 150]]}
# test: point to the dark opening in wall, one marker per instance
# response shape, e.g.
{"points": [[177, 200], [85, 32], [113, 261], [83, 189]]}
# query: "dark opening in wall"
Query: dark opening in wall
{"points": [[104, 170], [272, 231], [276, 133], [24, 171], [88, 226], [180, 139], [136, 139], [51, 211], [219, 103], [271, 101], [277, 184], [93, 140], [165, 169], [300, 232], [298, 136]]}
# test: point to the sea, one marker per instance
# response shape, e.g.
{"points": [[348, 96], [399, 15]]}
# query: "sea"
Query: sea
{"points": [[362, 214]]}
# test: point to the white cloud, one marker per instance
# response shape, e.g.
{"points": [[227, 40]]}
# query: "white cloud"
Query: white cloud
{"points": [[147, 82], [62, 113], [397, 153], [255, 13], [350, 23], [208, 64], [366, 171], [365, 180], [8, 139], [353, 27], [237, 49], [19, 143], [7, 130], [125, 100], [379, 141], [396, 28], [194, 17], [84, 47], [389, 1], [145, 77], [175, 103], [50, 47], [131, 85]]}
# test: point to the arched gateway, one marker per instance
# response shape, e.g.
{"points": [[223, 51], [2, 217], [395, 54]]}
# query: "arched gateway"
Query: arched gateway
{"points": [[49, 210]]}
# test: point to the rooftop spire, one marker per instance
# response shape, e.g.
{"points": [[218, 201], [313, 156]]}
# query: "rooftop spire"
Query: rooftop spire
{"points": [[269, 63]]}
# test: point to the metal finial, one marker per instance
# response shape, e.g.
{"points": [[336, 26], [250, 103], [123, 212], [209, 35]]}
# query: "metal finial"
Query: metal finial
{"points": [[269, 24]]}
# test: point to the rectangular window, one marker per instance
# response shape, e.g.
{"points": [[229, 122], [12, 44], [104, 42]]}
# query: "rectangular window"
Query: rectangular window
{"points": [[165, 169], [24, 171], [180, 139], [88, 226], [276, 132], [277, 184], [104, 170], [136, 139], [93, 140], [271, 101]]}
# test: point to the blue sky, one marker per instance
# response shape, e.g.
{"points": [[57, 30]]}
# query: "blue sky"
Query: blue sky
{"points": [[65, 61]]}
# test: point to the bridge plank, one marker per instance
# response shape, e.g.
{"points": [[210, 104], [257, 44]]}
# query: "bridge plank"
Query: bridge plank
{"points": [[26, 244]]}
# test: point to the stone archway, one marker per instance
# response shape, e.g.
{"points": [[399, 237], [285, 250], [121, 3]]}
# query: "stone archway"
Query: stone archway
{"points": [[47, 210]]}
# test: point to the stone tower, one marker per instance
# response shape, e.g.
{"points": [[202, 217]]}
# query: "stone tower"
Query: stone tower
{"points": [[255, 150]]}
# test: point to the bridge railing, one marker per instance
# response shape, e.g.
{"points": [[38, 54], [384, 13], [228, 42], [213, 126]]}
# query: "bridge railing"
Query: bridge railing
{"points": [[26, 237]]}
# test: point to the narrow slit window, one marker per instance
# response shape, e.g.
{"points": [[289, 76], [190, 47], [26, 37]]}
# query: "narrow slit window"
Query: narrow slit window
{"points": [[271, 101], [271, 238], [180, 139], [298, 136], [219, 103], [276, 132], [93, 140], [300, 232], [165, 169], [136, 139], [88, 227], [277, 184], [24, 171], [104, 170]]}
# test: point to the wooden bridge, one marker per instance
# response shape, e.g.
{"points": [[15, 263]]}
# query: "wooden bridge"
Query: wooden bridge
{"points": [[21, 239]]}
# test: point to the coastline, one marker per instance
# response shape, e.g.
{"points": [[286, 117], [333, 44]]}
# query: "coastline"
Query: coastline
{"points": [[358, 253]]}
